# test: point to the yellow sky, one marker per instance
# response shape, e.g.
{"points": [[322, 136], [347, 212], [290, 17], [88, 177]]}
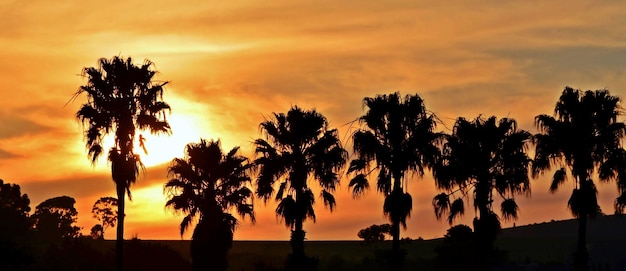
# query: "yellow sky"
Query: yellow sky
{"points": [[232, 63]]}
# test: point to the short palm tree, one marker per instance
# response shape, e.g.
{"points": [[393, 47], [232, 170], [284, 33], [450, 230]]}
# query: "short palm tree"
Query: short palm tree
{"points": [[581, 139], [206, 186], [398, 138], [483, 159], [122, 98], [298, 148]]}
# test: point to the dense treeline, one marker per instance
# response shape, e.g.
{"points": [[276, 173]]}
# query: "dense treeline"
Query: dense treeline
{"points": [[481, 160]]}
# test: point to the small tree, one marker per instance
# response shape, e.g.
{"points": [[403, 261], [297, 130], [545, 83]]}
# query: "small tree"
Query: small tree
{"points": [[97, 232], [105, 211], [375, 233], [55, 218]]}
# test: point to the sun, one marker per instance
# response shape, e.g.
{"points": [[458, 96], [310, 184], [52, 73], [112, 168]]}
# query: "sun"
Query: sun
{"points": [[187, 126], [163, 148]]}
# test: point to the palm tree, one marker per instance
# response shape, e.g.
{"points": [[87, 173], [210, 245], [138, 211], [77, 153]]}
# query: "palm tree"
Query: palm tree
{"points": [[398, 138], [482, 159], [206, 185], [298, 147], [582, 138], [121, 99]]}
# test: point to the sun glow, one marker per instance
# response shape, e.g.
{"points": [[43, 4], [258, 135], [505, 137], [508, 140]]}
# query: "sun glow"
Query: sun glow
{"points": [[163, 148], [186, 128]]}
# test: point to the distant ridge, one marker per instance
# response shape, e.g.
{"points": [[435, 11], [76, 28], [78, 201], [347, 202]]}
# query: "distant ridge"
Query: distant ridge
{"points": [[600, 228], [555, 241]]}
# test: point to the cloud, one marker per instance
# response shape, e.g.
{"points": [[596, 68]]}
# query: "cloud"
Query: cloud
{"points": [[88, 185], [578, 66], [6, 155], [14, 125]]}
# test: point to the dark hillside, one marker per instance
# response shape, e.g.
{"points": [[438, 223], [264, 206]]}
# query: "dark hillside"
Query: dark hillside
{"points": [[546, 244], [555, 241]]}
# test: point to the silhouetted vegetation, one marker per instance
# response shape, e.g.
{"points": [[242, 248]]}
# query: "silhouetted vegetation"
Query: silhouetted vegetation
{"points": [[375, 233], [105, 211], [205, 186], [483, 159], [298, 147], [457, 252], [584, 141], [398, 138], [54, 219], [15, 225], [122, 98]]}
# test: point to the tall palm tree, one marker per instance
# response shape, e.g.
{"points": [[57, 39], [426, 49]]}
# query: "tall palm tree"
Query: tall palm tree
{"points": [[206, 185], [483, 159], [298, 148], [582, 138], [121, 99], [398, 139]]}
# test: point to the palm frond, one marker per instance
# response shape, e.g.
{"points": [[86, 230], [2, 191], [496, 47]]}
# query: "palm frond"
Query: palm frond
{"points": [[457, 208], [184, 225], [329, 200], [357, 165], [398, 206], [509, 209], [441, 204], [281, 190], [620, 203], [287, 210], [559, 178], [359, 185]]}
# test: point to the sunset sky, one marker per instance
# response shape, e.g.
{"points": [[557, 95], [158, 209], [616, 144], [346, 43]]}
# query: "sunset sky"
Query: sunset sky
{"points": [[232, 63]]}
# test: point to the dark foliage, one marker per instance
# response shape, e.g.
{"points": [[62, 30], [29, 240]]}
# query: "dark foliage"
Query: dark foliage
{"points": [[206, 186], [55, 218], [583, 139], [397, 139], [15, 235], [298, 148], [457, 251], [105, 211], [483, 159], [375, 233], [122, 98]]}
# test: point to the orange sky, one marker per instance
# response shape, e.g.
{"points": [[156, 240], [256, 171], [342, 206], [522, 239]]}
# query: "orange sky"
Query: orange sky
{"points": [[231, 63]]}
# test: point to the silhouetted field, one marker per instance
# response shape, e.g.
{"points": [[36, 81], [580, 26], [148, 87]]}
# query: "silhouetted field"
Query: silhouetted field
{"points": [[545, 244], [555, 241]]}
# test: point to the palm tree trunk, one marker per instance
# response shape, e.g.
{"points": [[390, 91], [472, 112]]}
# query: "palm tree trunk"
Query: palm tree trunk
{"points": [[210, 244], [297, 239], [482, 227], [119, 242], [297, 259], [396, 256], [395, 261], [580, 257], [481, 234]]}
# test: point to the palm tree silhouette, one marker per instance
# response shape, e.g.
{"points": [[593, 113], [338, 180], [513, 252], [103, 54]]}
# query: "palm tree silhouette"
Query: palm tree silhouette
{"points": [[298, 147], [483, 158], [582, 138], [398, 138], [206, 185], [121, 99]]}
